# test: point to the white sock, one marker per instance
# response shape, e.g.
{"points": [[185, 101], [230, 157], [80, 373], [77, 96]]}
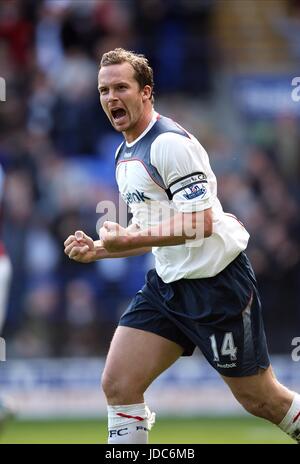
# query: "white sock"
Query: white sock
{"points": [[129, 423], [291, 422]]}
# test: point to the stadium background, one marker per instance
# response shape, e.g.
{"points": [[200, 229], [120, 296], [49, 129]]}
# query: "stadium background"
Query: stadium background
{"points": [[224, 70]]}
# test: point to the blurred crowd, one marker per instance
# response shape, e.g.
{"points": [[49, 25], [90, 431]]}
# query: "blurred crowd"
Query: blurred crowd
{"points": [[57, 150]]}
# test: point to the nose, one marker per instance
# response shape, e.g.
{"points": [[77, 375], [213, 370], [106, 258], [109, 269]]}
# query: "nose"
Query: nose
{"points": [[111, 96]]}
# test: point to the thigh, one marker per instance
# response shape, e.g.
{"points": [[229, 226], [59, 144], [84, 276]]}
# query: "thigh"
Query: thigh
{"points": [[147, 312], [138, 357]]}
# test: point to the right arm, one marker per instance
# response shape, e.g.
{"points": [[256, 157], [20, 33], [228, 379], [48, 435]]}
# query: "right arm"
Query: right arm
{"points": [[83, 249]]}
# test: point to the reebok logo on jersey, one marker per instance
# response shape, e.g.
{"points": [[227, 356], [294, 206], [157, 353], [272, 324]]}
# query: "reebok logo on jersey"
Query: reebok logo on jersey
{"points": [[134, 197]]}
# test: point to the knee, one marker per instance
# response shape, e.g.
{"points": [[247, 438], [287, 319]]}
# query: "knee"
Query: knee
{"points": [[255, 406], [260, 404], [109, 385], [120, 389]]}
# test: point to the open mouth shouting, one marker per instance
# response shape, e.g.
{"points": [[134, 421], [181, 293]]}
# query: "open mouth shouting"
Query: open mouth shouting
{"points": [[118, 115]]}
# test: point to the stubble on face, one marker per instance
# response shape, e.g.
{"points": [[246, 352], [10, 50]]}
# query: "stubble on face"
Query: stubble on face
{"points": [[121, 99]]}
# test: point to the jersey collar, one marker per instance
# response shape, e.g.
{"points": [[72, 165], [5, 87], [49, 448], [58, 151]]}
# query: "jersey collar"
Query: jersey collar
{"points": [[155, 117]]}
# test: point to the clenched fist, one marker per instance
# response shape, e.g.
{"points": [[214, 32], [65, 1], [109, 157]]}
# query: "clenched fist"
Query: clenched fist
{"points": [[114, 237], [80, 247]]}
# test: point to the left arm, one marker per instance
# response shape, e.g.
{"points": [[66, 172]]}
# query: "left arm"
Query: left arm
{"points": [[174, 231]]}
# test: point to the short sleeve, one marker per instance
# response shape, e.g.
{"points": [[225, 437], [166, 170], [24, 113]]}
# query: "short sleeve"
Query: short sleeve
{"points": [[184, 167]]}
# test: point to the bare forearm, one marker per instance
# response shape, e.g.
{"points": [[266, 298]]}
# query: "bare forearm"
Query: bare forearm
{"points": [[175, 231], [102, 253]]}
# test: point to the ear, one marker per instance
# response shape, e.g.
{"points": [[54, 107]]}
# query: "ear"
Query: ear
{"points": [[147, 90]]}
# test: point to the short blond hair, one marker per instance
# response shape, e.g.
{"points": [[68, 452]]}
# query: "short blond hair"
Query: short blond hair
{"points": [[142, 70]]}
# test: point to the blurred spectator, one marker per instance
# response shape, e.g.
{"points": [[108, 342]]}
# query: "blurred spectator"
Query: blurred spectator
{"points": [[175, 48]]}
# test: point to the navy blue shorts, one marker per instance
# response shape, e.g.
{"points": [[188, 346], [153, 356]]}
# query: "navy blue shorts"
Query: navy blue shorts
{"points": [[221, 315]]}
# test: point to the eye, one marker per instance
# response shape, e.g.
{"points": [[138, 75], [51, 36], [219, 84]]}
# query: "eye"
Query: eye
{"points": [[103, 91]]}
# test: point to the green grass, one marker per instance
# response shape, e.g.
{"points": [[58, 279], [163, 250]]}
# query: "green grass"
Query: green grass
{"points": [[166, 430]]}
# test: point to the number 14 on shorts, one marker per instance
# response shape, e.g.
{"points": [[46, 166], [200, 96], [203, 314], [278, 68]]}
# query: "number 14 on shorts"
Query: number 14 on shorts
{"points": [[228, 347]]}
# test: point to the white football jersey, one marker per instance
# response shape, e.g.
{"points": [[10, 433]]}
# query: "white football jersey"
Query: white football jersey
{"points": [[167, 169]]}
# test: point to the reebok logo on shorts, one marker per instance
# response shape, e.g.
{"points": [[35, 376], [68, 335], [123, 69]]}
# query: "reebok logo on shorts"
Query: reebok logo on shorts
{"points": [[226, 366]]}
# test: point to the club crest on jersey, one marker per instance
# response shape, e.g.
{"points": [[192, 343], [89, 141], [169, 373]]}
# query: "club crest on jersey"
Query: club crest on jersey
{"points": [[134, 197], [194, 191]]}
